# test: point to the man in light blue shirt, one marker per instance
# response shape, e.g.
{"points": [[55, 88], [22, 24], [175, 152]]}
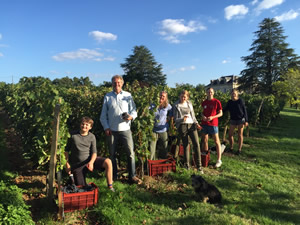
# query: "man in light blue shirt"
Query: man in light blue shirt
{"points": [[117, 113]]}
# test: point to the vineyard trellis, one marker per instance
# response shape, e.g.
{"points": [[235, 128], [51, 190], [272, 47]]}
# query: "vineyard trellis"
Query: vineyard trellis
{"points": [[30, 106]]}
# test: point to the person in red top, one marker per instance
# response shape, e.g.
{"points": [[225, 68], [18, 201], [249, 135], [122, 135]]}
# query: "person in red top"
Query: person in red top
{"points": [[212, 110]]}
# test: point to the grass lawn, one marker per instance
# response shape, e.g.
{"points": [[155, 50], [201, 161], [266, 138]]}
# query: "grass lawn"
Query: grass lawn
{"points": [[260, 186]]}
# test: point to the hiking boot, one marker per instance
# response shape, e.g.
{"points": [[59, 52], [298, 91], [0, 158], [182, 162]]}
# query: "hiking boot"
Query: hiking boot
{"points": [[218, 164]]}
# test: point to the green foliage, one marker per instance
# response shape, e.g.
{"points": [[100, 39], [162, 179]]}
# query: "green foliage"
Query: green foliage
{"points": [[30, 105], [270, 59], [31, 102], [142, 66], [13, 210], [71, 83], [289, 87]]}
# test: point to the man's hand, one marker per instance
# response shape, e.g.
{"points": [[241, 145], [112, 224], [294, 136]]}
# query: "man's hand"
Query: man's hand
{"points": [[107, 132], [129, 118]]}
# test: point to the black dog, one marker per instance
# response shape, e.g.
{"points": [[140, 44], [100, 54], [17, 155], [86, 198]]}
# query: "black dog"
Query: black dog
{"points": [[207, 192]]}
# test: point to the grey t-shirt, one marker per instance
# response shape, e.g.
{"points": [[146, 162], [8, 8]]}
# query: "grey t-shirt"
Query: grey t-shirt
{"points": [[81, 148]]}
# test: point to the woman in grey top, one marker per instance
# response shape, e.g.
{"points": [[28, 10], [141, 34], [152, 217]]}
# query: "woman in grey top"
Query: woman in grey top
{"points": [[187, 125]]}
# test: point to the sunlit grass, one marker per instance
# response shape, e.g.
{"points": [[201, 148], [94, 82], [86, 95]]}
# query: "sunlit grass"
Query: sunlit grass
{"points": [[258, 187]]}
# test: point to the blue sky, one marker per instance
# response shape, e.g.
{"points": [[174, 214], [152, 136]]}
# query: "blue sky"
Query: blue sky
{"points": [[194, 40]]}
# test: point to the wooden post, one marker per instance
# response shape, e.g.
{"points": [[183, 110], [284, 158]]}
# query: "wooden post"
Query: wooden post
{"points": [[53, 152]]}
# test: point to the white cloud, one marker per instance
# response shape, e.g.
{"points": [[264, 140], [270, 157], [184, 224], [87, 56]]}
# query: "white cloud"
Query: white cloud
{"points": [[171, 29], [267, 4], [254, 2], [235, 11], [183, 69], [0, 36], [54, 72], [290, 15], [81, 54], [225, 61], [101, 36], [109, 59], [1, 55]]}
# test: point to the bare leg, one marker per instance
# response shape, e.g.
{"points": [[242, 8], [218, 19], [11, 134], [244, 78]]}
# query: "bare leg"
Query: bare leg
{"points": [[240, 136], [204, 142], [230, 136], [108, 171], [218, 145]]}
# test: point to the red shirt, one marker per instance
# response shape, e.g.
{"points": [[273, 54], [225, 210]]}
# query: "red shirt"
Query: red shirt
{"points": [[211, 108]]}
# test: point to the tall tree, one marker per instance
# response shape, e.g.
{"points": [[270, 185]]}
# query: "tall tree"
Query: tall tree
{"points": [[141, 66], [289, 87], [270, 58]]}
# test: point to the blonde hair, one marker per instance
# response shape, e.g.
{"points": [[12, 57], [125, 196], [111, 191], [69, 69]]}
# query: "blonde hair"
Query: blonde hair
{"points": [[185, 92], [166, 102]]}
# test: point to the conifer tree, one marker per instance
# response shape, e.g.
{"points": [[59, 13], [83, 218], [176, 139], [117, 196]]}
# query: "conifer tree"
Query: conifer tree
{"points": [[270, 58], [141, 66]]}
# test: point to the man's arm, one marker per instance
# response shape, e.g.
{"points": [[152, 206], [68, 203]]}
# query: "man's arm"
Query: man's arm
{"points": [[104, 118]]}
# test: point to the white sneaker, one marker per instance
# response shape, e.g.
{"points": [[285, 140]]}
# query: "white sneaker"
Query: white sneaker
{"points": [[222, 148], [218, 164]]}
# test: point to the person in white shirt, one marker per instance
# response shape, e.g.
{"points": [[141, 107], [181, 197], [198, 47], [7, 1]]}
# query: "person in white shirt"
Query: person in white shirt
{"points": [[187, 126], [117, 113]]}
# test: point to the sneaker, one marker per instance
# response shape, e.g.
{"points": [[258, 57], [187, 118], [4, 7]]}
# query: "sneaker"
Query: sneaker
{"points": [[135, 180], [200, 170], [112, 189], [218, 164], [222, 148], [239, 152]]}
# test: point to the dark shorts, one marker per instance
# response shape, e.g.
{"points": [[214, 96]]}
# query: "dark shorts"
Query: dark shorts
{"points": [[237, 122], [80, 170], [209, 129]]}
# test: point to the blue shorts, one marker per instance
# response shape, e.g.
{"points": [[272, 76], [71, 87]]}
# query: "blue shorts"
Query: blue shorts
{"points": [[209, 129]]}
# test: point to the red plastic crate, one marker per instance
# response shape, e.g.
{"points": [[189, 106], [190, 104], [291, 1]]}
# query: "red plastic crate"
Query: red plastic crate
{"points": [[180, 152], [158, 167], [80, 200], [205, 159]]}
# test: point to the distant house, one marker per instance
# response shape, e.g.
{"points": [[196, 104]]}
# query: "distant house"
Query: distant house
{"points": [[224, 83]]}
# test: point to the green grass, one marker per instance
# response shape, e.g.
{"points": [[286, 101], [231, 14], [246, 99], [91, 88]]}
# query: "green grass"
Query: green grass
{"points": [[261, 186]]}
